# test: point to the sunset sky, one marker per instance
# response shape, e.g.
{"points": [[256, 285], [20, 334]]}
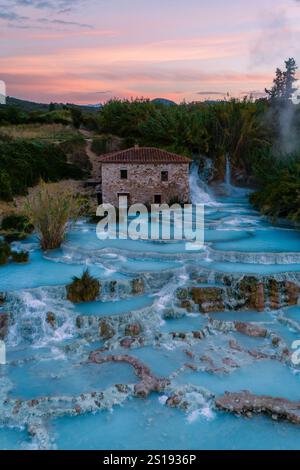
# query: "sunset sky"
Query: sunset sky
{"points": [[88, 51]]}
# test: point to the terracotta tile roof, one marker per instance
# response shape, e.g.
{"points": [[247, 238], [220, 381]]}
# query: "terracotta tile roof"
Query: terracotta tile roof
{"points": [[143, 155]]}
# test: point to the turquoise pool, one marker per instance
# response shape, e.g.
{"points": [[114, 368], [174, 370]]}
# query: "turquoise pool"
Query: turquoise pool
{"points": [[45, 362]]}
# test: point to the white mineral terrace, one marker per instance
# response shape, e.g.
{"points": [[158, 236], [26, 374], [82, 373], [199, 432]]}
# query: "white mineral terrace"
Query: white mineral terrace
{"points": [[165, 353]]}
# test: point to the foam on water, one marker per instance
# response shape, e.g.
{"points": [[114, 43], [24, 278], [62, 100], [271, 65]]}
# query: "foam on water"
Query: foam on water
{"points": [[30, 309], [200, 193]]}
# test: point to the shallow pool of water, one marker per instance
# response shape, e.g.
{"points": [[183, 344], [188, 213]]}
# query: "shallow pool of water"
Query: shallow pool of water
{"points": [[249, 268], [116, 307], [146, 425], [44, 272], [263, 241], [51, 360]]}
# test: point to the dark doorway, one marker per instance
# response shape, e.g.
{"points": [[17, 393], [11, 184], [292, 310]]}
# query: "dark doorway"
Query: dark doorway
{"points": [[157, 198], [99, 198]]}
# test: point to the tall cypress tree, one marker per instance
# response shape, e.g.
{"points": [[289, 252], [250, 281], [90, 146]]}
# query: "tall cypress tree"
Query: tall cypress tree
{"points": [[277, 89], [283, 83], [289, 77]]}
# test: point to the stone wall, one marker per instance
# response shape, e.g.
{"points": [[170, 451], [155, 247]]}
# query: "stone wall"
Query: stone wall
{"points": [[144, 181]]}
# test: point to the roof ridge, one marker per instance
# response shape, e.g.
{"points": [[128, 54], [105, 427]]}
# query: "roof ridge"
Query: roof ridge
{"points": [[143, 155]]}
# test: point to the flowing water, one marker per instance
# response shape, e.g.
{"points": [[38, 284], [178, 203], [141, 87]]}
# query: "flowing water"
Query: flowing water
{"points": [[47, 362]]}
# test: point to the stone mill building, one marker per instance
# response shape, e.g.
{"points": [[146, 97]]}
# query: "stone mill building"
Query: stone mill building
{"points": [[145, 175]]}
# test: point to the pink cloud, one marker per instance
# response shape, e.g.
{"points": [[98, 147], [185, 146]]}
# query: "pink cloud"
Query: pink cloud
{"points": [[128, 58]]}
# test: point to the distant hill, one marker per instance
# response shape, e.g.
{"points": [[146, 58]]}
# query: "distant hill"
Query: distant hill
{"points": [[33, 106], [26, 105], [164, 101], [91, 108]]}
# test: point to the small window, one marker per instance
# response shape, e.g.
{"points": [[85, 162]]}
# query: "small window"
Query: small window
{"points": [[157, 199], [164, 176], [123, 174]]}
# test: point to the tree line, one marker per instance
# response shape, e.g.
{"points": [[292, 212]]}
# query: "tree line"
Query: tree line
{"points": [[260, 137]]}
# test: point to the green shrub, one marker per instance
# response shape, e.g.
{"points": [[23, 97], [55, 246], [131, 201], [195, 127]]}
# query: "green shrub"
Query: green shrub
{"points": [[279, 192], [13, 236], [5, 186], [20, 256], [23, 163], [50, 209], [17, 223], [4, 252], [76, 115], [83, 289]]}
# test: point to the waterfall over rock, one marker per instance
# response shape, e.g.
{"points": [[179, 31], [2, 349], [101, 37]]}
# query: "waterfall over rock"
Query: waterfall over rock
{"points": [[230, 189], [228, 176], [200, 193]]}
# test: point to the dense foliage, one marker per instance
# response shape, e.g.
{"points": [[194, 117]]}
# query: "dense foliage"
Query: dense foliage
{"points": [[15, 227], [260, 138], [279, 193], [278, 172], [215, 129], [19, 223], [6, 254], [26, 112], [23, 163], [284, 82]]}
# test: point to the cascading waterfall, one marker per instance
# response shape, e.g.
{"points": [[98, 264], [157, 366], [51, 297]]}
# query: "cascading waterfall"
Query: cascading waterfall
{"points": [[228, 175], [199, 190], [31, 308], [229, 188]]}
